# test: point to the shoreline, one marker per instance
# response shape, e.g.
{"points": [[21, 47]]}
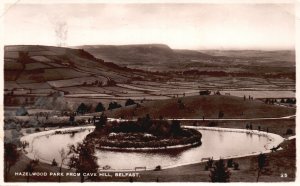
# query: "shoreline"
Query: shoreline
{"points": [[275, 138]]}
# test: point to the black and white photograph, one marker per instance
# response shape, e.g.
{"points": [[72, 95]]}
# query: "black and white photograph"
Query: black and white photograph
{"points": [[148, 91]]}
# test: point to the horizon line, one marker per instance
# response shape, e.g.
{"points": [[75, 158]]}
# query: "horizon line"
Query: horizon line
{"points": [[136, 44]]}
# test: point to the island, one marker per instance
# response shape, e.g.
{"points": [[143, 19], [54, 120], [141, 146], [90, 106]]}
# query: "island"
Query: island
{"points": [[142, 134]]}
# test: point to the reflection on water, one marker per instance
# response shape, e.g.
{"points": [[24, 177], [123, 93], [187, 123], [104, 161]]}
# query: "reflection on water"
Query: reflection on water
{"points": [[214, 144]]}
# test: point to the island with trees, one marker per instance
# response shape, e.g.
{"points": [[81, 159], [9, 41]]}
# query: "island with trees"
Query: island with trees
{"points": [[143, 134]]}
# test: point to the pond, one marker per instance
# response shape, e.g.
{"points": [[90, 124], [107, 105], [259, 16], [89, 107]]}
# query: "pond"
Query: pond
{"points": [[216, 143]]}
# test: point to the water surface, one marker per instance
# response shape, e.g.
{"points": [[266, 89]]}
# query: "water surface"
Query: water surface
{"points": [[216, 144]]}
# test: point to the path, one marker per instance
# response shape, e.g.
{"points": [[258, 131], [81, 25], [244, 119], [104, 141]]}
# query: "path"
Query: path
{"points": [[214, 119]]}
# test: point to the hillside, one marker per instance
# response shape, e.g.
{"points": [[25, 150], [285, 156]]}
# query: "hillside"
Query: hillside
{"points": [[207, 106], [147, 55], [33, 71], [287, 57], [160, 57], [49, 67], [126, 54]]}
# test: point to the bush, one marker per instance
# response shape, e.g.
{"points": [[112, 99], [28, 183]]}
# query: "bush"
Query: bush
{"points": [[129, 102], [221, 114], [54, 163], [230, 163], [236, 166], [157, 168], [113, 105], [100, 108], [37, 130], [209, 164], [220, 173], [212, 124], [82, 108], [289, 132]]}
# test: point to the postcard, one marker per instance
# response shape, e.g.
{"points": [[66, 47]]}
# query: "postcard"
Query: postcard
{"points": [[148, 91]]}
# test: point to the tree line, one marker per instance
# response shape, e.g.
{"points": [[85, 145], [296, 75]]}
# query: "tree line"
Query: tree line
{"points": [[85, 108]]}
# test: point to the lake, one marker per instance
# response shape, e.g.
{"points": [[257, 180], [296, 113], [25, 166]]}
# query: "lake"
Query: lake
{"points": [[215, 143]]}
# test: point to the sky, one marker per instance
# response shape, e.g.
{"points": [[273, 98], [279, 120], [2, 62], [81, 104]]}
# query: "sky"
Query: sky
{"points": [[181, 26]]}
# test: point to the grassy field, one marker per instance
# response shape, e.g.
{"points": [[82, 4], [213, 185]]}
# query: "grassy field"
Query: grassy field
{"points": [[207, 106]]}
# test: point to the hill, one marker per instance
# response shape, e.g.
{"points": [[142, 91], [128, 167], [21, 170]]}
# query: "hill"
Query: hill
{"points": [[31, 71], [160, 57], [126, 54], [274, 58], [207, 106], [144, 56], [32, 66]]}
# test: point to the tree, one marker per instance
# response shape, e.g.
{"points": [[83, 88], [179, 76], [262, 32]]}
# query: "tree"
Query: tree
{"points": [[230, 163], [180, 104], [221, 114], [220, 173], [145, 122], [175, 127], [102, 121], [82, 108], [30, 167], [261, 160], [100, 108], [129, 102], [72, 119], [209, 163], [54, 163], [63, 157], [11, 156], [82, 159], [113, 105]]}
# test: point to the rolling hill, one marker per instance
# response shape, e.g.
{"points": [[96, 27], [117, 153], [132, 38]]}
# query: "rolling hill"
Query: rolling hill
{"points": [[163, 58], [53, 67], [199, 106], [33, 71], [147, 55]]}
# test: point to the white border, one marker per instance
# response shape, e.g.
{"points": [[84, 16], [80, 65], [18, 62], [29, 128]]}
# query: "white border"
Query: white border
{"points": [[297, 12]]}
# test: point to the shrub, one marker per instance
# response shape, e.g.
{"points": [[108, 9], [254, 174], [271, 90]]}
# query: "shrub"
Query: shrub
{"points": [[82, 108], [289, 132], [100, 108], [230, 163], [113, 105], [236, 166], [54, 163], [220, 173], [129, 102], [157, 168], [221, 114], [212, 124], [210, 163]]}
